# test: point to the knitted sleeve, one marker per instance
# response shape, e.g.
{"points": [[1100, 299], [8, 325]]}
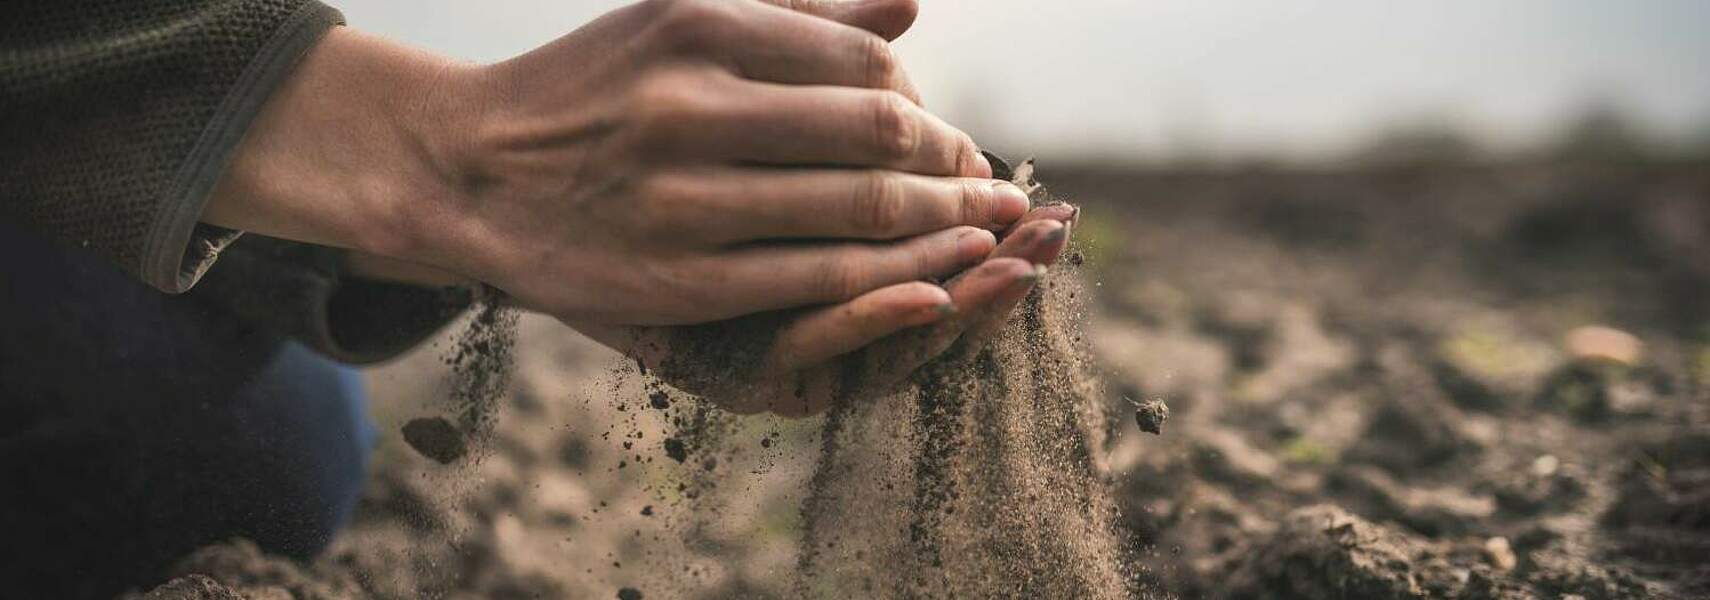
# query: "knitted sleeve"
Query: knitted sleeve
{"points": [[117, 117]]}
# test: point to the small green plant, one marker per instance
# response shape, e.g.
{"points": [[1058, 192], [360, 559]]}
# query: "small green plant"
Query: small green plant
{"points": [[1302, 450]]}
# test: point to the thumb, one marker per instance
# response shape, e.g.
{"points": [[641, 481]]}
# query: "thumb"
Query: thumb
{"points": [[886, 18]]}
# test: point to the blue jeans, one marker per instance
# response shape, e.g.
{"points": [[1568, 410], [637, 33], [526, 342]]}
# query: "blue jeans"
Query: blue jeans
{"points": [[136, 427]]}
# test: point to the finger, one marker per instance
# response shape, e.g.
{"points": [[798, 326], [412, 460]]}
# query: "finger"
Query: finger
{"points": [[775, 277], [768, 43], [1039, 242], [972, 293], [886, 18], [984, 321], [819, 335], [1065, 213], [996, 284], [776, 124], [726, 206]]}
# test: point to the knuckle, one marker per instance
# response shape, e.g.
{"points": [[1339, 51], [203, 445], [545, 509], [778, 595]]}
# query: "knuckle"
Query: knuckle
{"points": [[975, 202], [679, 210], [657, 202], [665, 92], [841, 279], [896, 135], [962, 154], [878, 206], [925, 262], [662, 103], [662, 189], [880, 63], [690, 23], [681, 296]]}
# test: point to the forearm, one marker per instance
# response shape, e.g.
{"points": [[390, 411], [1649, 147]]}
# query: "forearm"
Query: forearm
{"points": [[341, 155]]}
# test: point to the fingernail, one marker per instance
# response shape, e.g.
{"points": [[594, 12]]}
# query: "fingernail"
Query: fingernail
{"points": [[1073, 215], [974, 244], [1057, 235], [946, 309], [1008, 202], [1036, 274]]}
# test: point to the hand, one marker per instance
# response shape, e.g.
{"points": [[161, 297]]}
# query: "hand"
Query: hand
{"points": [[661, 165], [802, 361]]}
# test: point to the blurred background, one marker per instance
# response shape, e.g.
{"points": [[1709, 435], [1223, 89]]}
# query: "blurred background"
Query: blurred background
{"points": [[1229, 81], [1435, 275]]}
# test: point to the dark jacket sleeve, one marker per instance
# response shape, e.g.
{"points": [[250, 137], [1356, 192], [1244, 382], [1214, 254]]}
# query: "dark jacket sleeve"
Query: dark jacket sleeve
{"points": [[117, 117], [302, 290]]}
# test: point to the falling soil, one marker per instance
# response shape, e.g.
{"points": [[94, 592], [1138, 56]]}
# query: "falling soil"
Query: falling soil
{"points": [[976, 480], [481, 367]]}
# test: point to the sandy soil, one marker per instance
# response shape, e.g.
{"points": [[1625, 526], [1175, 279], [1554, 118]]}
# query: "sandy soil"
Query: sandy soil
{"points": [[1467, 383]]}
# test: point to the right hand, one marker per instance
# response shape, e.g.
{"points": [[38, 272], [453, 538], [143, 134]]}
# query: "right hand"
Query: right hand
{"points": [[673, 162], [668, 164]]}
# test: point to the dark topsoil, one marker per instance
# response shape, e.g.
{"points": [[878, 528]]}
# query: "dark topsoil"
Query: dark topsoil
{"points": [[1368, 392]]}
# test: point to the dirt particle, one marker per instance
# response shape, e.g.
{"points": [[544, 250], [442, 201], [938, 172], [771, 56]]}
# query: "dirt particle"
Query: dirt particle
{"points": [[1150, 416], [629, 593], [674, 448], [436, 438]]}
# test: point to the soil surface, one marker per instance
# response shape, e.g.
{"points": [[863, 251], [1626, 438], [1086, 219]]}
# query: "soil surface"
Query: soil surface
{"points": [[1463, 383]]}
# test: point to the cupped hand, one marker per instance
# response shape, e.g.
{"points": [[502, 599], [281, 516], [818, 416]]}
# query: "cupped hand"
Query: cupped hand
{"points": [[666, 164], [797, 363], [639, 170], [674, 162]]}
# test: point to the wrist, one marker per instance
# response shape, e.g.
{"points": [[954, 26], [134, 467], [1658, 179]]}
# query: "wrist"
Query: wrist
{"points": [[354, 150]]}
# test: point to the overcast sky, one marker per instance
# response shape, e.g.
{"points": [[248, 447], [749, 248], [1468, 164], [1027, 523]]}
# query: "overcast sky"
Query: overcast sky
{"points": [[1137, 79]]}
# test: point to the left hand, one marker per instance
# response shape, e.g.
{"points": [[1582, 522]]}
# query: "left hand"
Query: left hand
{"points": [[809, 364]]}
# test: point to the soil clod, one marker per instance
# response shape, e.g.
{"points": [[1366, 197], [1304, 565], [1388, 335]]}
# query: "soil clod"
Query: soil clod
{"points": [[436, 438], [675, 450], [1150, 416]]}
